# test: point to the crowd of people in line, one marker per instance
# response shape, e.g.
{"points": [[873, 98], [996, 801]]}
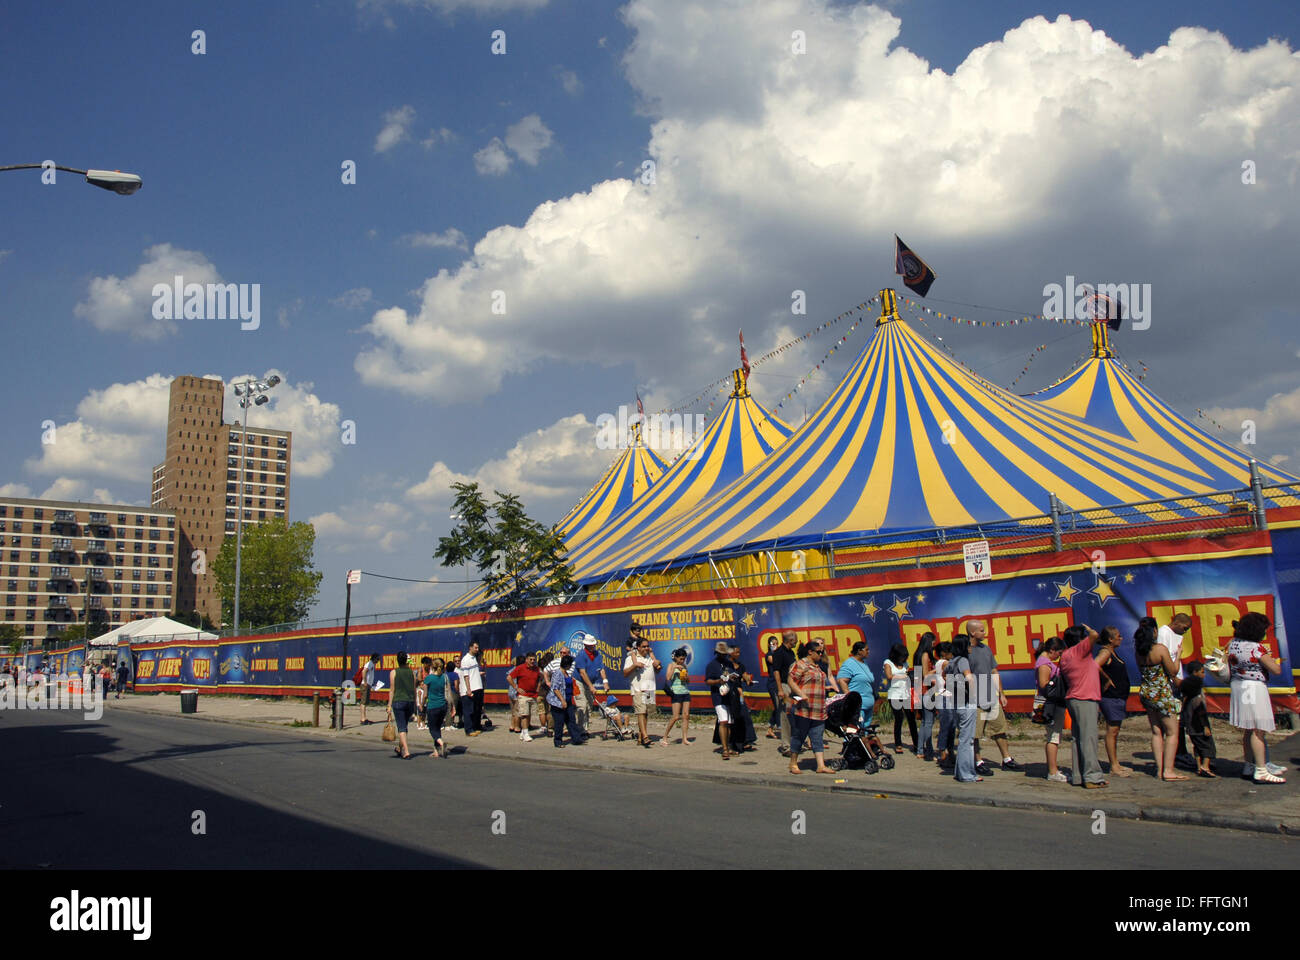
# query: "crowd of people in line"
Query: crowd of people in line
{"points": [[954, 686], [41, 675]]}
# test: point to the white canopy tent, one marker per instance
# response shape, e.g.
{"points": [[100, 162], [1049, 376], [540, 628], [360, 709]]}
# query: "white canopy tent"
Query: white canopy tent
{"points": [[151, 630]]}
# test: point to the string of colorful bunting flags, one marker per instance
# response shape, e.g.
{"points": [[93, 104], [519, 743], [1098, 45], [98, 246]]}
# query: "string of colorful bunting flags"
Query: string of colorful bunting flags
{"points": [[1028, 363], [718, 386], [1014, 322], [829, 353]]}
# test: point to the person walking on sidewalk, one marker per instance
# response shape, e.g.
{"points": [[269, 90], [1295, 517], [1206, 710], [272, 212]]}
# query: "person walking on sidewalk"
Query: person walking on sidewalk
{"points": [[589, 667], [716, 675], [1114, 696], [1083, 700], [123, 675], [855, 676], [524, 680], [679, 696], [991, 716], [923, 667], [1046, 669], [961, 683], [367, 685], [899, 692], [562, 686], [401, 702], [640, 668], [1171, 637], [1159, 699], [1251, 710], [437, 698], [471, 691], [808, 717], [783, 660], [773, 689]]}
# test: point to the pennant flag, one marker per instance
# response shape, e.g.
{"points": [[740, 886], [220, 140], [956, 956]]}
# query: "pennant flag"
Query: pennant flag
{"points": [[914, 271], [744, 357]]}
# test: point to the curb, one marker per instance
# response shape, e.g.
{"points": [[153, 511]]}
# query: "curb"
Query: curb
{"points": [[1175, 816]]}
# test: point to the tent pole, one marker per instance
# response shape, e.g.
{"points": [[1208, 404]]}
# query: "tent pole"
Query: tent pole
{"points": [[1257, 489]]}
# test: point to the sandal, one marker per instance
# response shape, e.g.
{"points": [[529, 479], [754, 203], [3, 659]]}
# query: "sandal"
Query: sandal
{"points": [[1176, 776], [795, 770], [1267, 777], [898, 749], [397, 752], [1207, 775]]}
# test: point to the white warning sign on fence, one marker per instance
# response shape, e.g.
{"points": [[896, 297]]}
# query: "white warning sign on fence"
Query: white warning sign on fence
{"points": [[978, 566], [354, 576]]}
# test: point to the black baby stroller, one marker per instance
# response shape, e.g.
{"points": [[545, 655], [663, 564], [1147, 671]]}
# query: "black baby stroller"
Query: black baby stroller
{"points": [[862, 748]]}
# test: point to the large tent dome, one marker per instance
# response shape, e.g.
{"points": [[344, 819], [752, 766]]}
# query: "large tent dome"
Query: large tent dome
{"points": [[911, 441]]}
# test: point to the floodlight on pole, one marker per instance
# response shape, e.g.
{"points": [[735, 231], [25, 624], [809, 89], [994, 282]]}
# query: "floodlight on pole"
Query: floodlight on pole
{"points": [[251, 394]]}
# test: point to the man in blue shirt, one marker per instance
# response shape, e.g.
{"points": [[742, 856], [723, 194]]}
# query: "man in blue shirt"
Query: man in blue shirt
{"points": [[589, 670], [856, 677]]}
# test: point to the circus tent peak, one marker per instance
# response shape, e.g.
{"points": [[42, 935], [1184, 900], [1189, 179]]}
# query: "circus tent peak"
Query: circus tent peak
{"points": [[910, 440], [734, 443]]}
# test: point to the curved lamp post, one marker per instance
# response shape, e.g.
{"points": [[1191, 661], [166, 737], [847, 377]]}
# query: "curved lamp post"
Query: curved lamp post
{"points": [[115, 180]]}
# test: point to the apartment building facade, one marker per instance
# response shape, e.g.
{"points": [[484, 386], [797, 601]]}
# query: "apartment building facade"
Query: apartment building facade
{"points": [[209, 466], [66, 563]]}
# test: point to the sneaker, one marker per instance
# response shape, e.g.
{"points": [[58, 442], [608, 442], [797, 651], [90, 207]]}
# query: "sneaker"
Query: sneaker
{"points": [[1010, 764], [983, 768], [525, 737], [1275, 768], [1058, 777]]}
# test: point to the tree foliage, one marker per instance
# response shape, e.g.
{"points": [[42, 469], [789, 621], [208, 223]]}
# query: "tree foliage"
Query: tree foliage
{"points": [[277, 581], [11, 638], [522, 562]]}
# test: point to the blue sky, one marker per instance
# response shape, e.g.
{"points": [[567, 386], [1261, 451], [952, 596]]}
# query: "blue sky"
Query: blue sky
{"points": [[769, 183]]}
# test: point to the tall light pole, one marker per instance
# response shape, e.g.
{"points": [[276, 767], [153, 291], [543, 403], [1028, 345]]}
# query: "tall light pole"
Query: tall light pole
{"points": [[115, 180], [251, 393]]}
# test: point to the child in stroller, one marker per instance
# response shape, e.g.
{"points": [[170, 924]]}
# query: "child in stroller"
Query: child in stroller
{"points": [[861, 748]]}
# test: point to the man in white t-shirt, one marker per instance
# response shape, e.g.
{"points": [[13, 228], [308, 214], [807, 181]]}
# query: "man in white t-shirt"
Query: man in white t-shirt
{"points": [[640, 668], [471, 691], [1172, 637]]}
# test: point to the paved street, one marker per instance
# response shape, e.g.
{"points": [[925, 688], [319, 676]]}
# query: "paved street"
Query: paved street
{"points": [[133, 781]]}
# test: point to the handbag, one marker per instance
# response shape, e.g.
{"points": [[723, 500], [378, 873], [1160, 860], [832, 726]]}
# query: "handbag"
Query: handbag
{"points": [[390, 731]]}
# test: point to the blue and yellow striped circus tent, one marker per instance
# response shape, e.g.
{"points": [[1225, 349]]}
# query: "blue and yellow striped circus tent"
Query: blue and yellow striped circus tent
{"points": [[910, 441], [634, 472], [737, 440], [1105, 394], [629, 477]]}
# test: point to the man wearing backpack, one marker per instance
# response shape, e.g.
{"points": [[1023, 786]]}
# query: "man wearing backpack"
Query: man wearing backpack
{"points": [[367, 684]]}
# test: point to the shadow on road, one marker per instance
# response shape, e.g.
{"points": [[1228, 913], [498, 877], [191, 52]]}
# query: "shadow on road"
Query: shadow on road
{"points": [[65, 804]]}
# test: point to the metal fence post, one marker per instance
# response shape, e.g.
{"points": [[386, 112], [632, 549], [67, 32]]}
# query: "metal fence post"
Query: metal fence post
{"points": [[1257, 490], [1054, 509]]}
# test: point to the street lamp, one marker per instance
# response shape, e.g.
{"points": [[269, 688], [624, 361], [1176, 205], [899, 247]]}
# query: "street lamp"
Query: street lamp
{"points": [[251, 393], [115, 180]]}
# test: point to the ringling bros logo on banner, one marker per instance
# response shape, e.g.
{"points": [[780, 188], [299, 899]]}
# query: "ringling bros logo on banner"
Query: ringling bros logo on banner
{"points": [[1032, 598]]}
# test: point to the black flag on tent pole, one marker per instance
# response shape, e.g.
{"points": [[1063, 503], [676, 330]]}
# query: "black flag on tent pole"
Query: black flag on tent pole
{"points": [[914, 271]]}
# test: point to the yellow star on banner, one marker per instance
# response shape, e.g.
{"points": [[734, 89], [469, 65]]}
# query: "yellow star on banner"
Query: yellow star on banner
{"points": [[762, 611], [1102, 589], [900, 607], [1065, 591], [869, 608], [1128, 576], [748, 619], [920, 598]]}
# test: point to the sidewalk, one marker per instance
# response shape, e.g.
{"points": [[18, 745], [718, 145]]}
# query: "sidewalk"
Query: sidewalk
{"points": [[1229, 802]]}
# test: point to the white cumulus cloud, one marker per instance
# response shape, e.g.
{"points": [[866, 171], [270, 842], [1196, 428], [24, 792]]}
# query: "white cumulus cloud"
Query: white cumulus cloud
{"points": [[125, 304], [397, 125]]}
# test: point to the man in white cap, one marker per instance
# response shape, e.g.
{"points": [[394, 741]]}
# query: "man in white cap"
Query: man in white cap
{"points": [[589, 668]]}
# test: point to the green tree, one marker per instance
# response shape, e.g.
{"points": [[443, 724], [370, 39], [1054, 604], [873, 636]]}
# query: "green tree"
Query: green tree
{"points": [[199, 621], [11, 638], [76, 633], [277, 581], [522, 562]]}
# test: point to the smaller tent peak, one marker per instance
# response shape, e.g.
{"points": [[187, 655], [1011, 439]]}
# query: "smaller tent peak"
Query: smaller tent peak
{"points": [[888, 307], [739, 385]]}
